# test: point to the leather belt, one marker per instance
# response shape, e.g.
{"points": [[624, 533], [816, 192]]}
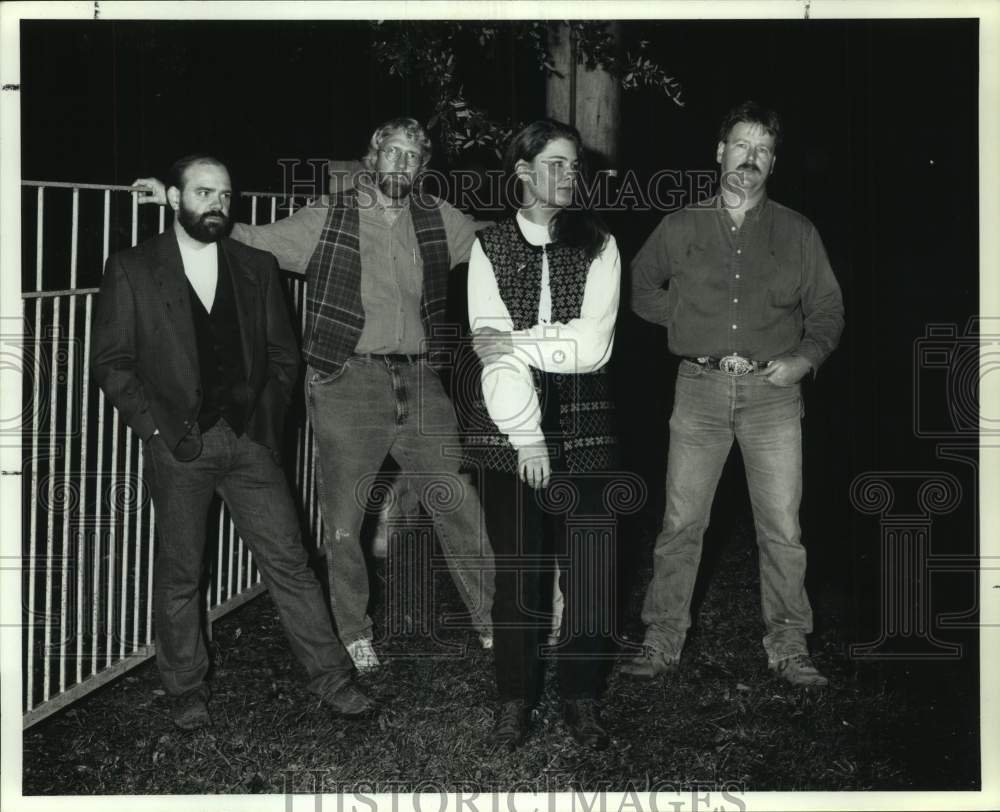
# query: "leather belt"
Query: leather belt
{"points": [[393, 357], [733, 365]]}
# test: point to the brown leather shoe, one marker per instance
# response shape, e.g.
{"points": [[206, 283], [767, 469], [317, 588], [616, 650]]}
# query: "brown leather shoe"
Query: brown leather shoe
{"points": [[583, 718], [350, 702]]}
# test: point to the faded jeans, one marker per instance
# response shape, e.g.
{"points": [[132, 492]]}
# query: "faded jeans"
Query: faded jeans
{"points": [[371, 407], [710, 409]]}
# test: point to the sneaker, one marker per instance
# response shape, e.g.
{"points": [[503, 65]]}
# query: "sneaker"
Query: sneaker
{"points": [[651, 663], [190, 711], [510, 727], [583, 718], [486, 641], [349, 702], [798, 669], [363, 655]]}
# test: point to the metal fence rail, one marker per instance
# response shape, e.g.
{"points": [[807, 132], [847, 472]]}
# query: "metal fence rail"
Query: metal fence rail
{"points": [[88, 550]]}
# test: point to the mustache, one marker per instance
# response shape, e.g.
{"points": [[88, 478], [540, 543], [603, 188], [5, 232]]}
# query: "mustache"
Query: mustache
{"points": [[749, 165]]}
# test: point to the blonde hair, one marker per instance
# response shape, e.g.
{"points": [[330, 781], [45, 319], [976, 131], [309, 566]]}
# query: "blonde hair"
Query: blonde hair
{"points": [[409, 127]]}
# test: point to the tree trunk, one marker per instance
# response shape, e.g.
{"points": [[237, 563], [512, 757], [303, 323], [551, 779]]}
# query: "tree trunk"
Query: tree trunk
{"points": [[590, 100]]}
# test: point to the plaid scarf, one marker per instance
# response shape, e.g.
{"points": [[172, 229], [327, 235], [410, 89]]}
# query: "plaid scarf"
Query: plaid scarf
{"points": [[586, 411], [334, 312]]}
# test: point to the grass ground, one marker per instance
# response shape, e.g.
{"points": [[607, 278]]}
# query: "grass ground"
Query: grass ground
{"points": [[721, 722]]}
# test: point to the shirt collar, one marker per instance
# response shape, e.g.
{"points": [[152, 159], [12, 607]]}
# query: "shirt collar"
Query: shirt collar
{"points": [[753, 214], [533, 232]]}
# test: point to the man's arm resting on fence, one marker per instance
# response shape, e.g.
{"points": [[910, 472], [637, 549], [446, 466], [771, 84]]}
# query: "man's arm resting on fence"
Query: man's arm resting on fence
{"points": [[291, 240]]}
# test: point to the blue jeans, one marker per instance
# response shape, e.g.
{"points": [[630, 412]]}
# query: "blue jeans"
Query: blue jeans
{"points": [[710, 409], [246, 476], [369, 408]]}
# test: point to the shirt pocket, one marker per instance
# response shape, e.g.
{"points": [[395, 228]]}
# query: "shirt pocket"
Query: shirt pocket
{"points": [[784, 279]]}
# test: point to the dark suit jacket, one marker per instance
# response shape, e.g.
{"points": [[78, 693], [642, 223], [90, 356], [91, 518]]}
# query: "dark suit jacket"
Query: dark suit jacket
{"points": [[144, 354]]}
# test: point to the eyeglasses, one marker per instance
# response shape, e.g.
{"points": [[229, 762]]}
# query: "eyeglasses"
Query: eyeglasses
{"points": [[393, 154]]}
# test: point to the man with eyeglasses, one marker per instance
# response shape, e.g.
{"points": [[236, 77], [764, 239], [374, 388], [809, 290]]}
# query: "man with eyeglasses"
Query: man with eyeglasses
{"points": [[751, 307], [377, 259]]}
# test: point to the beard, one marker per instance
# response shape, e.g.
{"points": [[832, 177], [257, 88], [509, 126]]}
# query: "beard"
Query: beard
{"points": [[207, 227], [395, 185]]}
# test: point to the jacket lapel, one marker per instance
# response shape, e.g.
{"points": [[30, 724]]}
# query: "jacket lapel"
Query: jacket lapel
{"points": [[168, 273], [245, 296]]}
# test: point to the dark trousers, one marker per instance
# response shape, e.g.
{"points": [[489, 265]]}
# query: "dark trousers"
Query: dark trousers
{"points": [[253, 486], [531, 531]]}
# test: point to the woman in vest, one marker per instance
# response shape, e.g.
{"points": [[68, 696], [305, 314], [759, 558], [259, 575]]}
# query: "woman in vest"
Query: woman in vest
{"points": [[543, 297]]}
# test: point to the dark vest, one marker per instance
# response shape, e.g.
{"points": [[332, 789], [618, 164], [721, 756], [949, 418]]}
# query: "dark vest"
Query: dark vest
{"points": [[578, 413], [220, 355], [334, 313]]}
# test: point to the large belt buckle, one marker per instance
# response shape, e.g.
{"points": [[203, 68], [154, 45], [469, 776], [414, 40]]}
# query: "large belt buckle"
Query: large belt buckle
{"points": [[736, 365]]}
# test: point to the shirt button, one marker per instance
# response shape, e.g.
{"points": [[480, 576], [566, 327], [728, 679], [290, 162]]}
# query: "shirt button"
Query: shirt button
{"points": [[734, 326], [732, 228], [735, 301], [739, 250], [737, 276]]}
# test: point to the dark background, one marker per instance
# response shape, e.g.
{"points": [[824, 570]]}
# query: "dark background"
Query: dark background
{"points": [[881, 153]]}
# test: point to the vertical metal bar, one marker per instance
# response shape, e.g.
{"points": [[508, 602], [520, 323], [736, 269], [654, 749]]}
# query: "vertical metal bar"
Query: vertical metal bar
{"points": [[127, 494], [135, 218], [68, 445], [163, 218], [253, 210], [99, 471], [29, 677], [239, 560], [138, 550], [51, 511], [84, 476], [274, 208], [229, 560], [109, 622], [149, 572], [218, 563]]}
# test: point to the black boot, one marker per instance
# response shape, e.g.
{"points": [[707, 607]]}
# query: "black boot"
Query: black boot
{"points": [[583, 718]]}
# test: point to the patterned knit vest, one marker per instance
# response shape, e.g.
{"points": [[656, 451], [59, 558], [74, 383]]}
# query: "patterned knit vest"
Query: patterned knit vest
{"points": [[586, 413], [334, 312]]}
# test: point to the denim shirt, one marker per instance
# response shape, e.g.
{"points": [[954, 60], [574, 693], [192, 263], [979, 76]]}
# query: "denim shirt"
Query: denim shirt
{"points": [[761, 290]]}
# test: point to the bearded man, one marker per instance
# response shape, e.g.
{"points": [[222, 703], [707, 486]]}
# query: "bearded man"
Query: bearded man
{"points": [[193, 345], [376, 258]]}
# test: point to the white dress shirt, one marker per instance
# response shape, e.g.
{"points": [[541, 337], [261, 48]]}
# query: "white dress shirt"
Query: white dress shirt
{"points": [[201, 265], [581, 345]]}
